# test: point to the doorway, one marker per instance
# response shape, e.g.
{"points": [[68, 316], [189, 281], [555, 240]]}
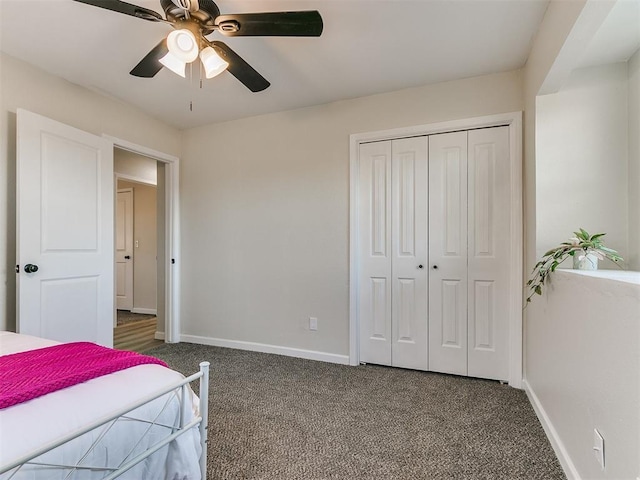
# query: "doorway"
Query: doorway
{"points": [[138, 232], [367, 292], [161, 170]]}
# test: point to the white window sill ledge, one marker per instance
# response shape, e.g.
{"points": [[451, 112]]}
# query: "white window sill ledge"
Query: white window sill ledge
{"points": [[626, 276]]}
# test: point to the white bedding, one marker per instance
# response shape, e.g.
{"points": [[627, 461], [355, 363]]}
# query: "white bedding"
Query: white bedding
{"points": [[40, 421]]}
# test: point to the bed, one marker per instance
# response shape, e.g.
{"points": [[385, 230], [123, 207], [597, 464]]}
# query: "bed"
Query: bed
{"points": [[138, 423]]}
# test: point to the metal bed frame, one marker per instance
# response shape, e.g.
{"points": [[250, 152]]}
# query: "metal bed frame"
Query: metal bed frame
{"points": [[199, 421]]}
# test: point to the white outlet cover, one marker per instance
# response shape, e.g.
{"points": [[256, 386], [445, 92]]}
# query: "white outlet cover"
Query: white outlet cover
{"points": [[598, 447]]}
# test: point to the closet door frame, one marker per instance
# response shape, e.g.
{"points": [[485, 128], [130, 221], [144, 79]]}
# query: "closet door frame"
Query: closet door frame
{"points": [[512, 120]]}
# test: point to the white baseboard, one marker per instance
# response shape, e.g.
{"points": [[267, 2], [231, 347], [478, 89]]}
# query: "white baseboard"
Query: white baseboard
{"points": [[264, 348], [145, 311], [159, 336], [558, 446]]}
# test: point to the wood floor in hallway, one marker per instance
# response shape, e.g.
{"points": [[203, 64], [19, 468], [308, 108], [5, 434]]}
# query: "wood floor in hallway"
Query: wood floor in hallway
{"points": [[136, 336]]}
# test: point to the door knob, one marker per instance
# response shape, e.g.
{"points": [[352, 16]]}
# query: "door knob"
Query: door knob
{"points": [[435, 267], [420, 266], [127, 257], [30, 268]]}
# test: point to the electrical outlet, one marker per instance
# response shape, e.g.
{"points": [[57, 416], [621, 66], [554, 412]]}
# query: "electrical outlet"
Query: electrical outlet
{"points": [[598, 447], [313, 323]]}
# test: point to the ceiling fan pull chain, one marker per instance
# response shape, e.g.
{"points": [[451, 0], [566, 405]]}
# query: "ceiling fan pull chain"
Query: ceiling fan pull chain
{"points": [[191, 89]]}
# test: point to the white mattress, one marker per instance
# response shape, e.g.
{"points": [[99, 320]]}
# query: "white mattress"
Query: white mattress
{"points": [[43, 420]]}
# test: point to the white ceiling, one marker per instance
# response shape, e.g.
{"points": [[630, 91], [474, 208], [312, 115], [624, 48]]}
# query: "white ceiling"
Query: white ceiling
{"points": [[367, 47], [618, 37]]}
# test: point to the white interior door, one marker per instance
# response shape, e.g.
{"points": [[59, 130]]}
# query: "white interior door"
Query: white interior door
{"points": [[448, 253], [489, 253], [409, 253], [124, 249], [65, 230], [374, 217]]}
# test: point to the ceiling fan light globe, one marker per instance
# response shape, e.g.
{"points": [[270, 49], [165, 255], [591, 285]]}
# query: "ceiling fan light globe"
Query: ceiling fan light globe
{"points": [[212, 62], [174, 64], [183, 45]]}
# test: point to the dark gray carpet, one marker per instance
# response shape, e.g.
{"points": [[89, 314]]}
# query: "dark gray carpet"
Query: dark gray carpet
{"points": [[274, 417]]}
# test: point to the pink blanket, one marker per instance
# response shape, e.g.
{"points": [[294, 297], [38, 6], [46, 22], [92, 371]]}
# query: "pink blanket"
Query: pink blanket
{"points": [[31, 374]]}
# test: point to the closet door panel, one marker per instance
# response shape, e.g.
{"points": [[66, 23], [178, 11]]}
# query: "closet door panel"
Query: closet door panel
{"points": [[489, 252], [448, 333], [374, 246], [409, 253]]}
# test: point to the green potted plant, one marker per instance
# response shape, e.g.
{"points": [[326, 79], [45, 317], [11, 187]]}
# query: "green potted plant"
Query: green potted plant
{"points": [[585, 249]]}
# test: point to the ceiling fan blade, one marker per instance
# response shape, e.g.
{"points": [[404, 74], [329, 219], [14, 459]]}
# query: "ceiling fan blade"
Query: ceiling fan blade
{"points": [[240, 69], [126, 8], [150, 64], [273, 24]]}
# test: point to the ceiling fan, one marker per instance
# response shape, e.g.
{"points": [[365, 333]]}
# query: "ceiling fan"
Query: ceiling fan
{"points": [[193, 20]]}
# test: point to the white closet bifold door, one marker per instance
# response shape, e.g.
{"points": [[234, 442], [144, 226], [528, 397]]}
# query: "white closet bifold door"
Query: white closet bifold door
{"points": [[469, 183], [409, 253], [448, 253], [489, 253], [392, 216], [374, 246]]}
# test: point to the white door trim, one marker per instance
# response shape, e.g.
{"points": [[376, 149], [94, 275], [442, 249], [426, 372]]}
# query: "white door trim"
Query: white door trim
{"points": [[172, 232], [514, 121]]}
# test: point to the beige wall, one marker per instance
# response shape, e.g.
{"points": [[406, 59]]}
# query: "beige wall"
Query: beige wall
{"points": [[144, 254], [634, 161], [580, 338], [265, 211], [24, 86], [135, 166], [586, 375], [581, 159]]}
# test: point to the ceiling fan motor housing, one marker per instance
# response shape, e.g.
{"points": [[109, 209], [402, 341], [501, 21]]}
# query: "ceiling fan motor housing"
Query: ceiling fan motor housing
{"points": [[204, 17]]}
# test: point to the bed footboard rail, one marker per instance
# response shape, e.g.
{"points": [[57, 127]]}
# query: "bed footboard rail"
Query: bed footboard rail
{"points": [[204, 414], [199, 421]]}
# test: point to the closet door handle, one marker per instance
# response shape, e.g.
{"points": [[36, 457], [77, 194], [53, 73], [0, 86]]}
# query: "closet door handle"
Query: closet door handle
{"points": [[435, 267], [420, 266], [127, 257]]}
